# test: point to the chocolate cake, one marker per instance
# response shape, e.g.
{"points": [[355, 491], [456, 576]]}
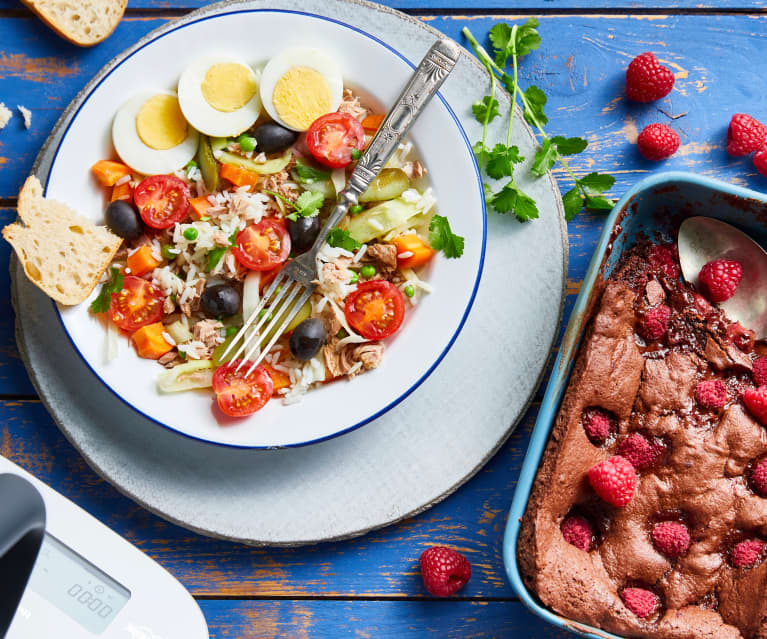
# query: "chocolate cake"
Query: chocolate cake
{"points": [[648, 517]]}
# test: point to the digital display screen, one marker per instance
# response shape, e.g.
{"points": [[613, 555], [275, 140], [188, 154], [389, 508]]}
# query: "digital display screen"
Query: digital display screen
{"points": [[76, 587]]}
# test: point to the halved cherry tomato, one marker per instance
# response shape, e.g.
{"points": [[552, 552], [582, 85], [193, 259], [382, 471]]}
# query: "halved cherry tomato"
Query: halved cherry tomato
{"points": [[262, 246], [267, 277], [137, 304], [238, 393], [162, 200], [332, 138], [376, 309]]}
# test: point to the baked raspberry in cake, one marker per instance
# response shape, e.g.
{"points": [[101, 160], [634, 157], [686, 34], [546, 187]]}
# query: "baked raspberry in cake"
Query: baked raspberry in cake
{"points": [[648, 517]]}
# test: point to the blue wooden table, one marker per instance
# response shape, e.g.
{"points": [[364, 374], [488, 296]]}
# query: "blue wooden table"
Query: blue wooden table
{"points": [[370, 587]]}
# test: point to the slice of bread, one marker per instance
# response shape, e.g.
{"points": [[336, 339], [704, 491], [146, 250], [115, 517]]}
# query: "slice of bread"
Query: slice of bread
{"points": [[82, 22], [62, 253]]}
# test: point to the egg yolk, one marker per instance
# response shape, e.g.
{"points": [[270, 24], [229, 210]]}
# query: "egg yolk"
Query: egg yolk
{"points": [[160, 123], [301, 96], [228, 86]]}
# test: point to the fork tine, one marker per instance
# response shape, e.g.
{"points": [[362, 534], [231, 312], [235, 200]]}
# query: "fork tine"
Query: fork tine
{"points": [[299, 303], [276, 314], [281, 277]]}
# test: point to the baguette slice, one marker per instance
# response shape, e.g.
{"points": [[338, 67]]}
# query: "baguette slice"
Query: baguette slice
{"points": [[62, 253], [82, 22]]}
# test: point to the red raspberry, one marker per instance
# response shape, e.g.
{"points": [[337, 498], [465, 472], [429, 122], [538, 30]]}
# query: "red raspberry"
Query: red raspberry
{"points": [[641, 602], [745, 135], [577, 531], [747, 553], [640, 452], [444, 571], [741, 336], [658, 141], [654, 323], [720, 279], [711, 394], [614, 480], [597, 424], [660, 257], [647, 79], [755, 400], [760, 161], [760, 371], [759, 478], [671, 538]]}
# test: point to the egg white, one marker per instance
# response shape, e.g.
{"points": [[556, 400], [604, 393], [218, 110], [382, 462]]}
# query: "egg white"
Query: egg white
{"points": [[309, 57], [201, 115], [137, 155]]}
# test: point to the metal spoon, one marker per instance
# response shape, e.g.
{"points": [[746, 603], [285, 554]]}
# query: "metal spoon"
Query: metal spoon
{"points": [[703, 239]]}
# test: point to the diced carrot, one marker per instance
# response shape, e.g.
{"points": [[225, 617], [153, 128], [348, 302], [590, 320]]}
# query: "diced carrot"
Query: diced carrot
{"points": [[372, 122], [149, 341], [142, 261], [108, 172], [122, 191], [239, 176], [200, 206], [411, 243], [279, 379]]}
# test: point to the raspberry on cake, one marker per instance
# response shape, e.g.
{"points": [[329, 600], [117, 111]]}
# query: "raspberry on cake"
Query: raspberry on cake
{"points": [[641, 602], [660, 257], [759, 478], [577, 532], [671, 538], [755, 400], [640, 452], [614, 480], [597, 424], [654, 324], [711, 393], [741, 336], [746, 554], [760, 371]]}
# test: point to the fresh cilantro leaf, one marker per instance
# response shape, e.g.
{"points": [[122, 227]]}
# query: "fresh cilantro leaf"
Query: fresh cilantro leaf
{"points": [[488, 193], [309, 202], [599, 203], [569, 146], [308, 174], [479, 148], [511, 199], [340, 238], [113, 285], [485, 110], [442, 238], [573, 203], [535, 100], [596, 183], [214, 257], [500, 38], [527, 37], [501, 161], [233, 238], [545, 157]]}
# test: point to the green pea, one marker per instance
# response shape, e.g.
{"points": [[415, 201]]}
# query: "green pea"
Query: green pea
{"points": [[368, 270], [263, 312], [356, 153], [410, 290], [231, 331], [356, 209], [247, 143], [191, 233], [168, 252], [354, 279]]}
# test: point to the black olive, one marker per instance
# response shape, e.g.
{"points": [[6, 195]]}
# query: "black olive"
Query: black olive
{"points": [[271, 137], [220, 300], [307, 338], [122, 219], [303, 232]]}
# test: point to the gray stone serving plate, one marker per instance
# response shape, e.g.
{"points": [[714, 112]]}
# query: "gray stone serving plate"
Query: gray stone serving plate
{"points": [[378, 474]]}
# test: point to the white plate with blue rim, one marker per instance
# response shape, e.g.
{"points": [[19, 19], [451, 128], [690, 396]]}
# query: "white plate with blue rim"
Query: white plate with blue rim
{"points": [[400, 463], [429, 329]]}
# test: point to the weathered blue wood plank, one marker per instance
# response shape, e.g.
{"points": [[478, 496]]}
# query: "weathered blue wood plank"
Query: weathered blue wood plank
{"points": [[383, 563], [380, 619]]}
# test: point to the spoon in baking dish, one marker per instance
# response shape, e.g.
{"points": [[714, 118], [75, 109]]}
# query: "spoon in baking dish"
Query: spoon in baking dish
{"points": [[703, 239]]}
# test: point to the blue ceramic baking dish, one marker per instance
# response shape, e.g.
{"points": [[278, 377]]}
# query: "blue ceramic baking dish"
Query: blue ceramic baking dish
{"points": [[652, 207]]}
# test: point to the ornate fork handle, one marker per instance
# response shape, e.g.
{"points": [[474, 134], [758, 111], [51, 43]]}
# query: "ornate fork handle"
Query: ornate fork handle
{"points": [[428, 77]]}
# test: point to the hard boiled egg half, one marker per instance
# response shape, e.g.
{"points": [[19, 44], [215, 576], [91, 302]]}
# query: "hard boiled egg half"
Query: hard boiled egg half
{"points": [[219, 96], [299, 85], [151, 135]]}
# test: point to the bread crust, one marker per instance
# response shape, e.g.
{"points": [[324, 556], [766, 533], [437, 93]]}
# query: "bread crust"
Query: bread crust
{"points": [[66, 31]]}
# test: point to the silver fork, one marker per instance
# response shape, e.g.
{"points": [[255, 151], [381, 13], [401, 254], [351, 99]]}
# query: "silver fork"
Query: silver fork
{"points": [[296, 280]]}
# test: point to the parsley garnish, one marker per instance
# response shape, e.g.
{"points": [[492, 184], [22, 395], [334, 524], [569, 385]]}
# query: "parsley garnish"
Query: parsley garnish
{"points": [[214, 256], [443, 239], [307, 174], [307, 205], [510, 43], [339, 238], [113, 285]]}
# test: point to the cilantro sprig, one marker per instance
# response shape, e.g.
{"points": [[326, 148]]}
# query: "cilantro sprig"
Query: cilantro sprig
{"points": [[511, 43], [442, 238], [308, 204], [113, 285], [340, 238]]}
